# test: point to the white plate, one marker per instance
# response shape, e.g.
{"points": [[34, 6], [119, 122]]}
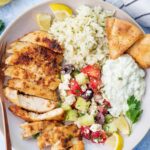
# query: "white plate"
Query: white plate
{"points": [[26, 23]]}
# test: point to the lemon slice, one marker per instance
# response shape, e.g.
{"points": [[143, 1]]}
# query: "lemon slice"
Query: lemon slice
{"points": [[122, 125], [44, 21], [4, 2], [61, 11], [115, 141]]}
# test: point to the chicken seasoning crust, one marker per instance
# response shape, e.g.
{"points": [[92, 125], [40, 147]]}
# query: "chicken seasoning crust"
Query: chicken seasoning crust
{"points": [[33, 66]]}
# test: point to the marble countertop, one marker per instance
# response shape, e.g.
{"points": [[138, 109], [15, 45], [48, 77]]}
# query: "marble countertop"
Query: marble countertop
{"points": [[9, 13]]}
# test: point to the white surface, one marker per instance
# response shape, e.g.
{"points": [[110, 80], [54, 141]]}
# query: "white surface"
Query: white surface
{"points": [[27, 23]]}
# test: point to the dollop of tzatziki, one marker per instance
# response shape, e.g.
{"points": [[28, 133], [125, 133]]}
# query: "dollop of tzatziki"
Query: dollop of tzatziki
{"points": [[121, 79]]}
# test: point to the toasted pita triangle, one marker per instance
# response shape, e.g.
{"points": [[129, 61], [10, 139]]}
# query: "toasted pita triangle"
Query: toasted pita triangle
{"points": [[140, 51], [121, 35]]}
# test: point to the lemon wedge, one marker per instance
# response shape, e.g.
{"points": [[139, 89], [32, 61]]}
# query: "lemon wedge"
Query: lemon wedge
{"points": [[115, 141], [4, 2], [44, 21], [61, 11], [122, 125]]}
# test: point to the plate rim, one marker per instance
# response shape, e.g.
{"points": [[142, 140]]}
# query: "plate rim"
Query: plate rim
{"points": [[46, 1]]}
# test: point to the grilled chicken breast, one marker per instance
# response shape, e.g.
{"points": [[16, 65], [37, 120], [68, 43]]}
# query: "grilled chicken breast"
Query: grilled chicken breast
{"points": [[77, 145], [30, 129], [43, 39], [30, 103], [18, 46], [32, 89], [51, 135], [51, 82], [37, 59], [55, 114]]}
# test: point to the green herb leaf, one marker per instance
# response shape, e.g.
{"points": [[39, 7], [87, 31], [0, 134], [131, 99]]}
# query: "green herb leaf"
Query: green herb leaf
{"points": [[134, 112], [2, 25], [36, 135], [120, 78]]}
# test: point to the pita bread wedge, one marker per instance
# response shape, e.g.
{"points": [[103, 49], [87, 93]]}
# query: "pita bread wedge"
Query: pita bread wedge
{"points": [[121, 35], [55, 114], [140, 51]]}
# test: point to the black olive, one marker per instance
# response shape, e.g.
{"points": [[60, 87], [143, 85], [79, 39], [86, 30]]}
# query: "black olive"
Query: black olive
{"points": [[67, 69], [88, 94]]}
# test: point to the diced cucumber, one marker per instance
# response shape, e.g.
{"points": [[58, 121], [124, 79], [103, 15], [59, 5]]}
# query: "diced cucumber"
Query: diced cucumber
{"points": [[62, 77], [108, 118], [109, 128], [82, 78], [82, 105], [86, 120], [76, 72], [71, 115], [65, 106]]}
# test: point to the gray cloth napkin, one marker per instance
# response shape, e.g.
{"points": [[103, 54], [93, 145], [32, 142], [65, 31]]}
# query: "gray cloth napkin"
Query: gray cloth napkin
{"points": [[138, 9]]}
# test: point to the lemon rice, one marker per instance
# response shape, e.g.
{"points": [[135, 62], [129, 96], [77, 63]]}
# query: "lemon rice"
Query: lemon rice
{"points": [[83, 36]]}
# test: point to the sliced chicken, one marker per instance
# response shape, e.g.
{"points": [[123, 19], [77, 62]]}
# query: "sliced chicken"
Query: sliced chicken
{"points": [[58, 146], [36, 59], [73, 144], [30, 129], [30, 103], [77, 144], [18, 46], [55, 114], [32, 89], [43, 39], [51, 135], [51, 82]]}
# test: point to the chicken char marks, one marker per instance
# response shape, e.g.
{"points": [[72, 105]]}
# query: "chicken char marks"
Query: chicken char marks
{"points": [[43, 39], [36, 57], [34, 65]]}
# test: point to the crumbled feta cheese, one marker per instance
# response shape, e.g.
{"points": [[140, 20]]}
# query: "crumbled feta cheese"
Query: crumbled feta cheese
{"points": [[99, 99], [95, 127], [84, 87], [78, 124], [63, 93], [67, 77], [65, 84], [70, 99], [93, 108]]}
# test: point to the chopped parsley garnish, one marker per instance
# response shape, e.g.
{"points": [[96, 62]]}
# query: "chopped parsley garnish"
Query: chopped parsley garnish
{"points": [[120, 78], [59, 104], [2, 25], [81, 114], [36, 135], [134, 112]]}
